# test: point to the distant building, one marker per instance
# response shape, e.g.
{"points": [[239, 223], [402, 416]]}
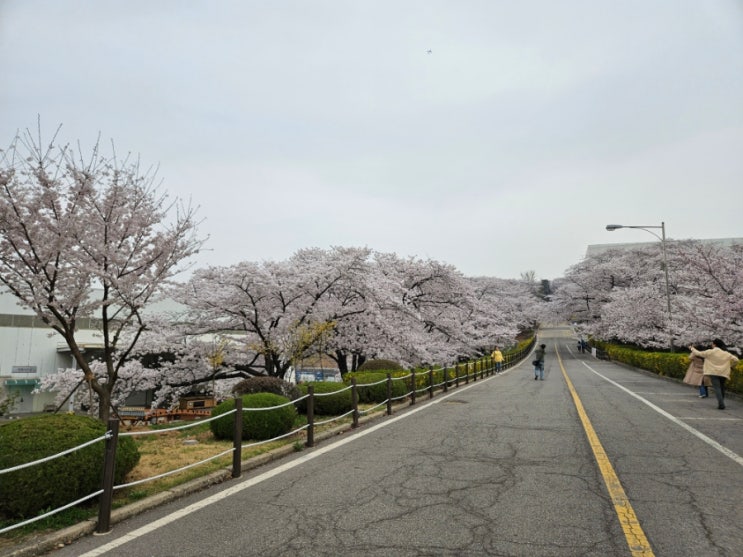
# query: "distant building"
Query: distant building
{"points": [[30, 350], [597, 249]]}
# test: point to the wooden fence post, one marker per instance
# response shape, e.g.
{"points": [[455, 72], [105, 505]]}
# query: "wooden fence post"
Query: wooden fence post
{"points": [[355, 402], [310, 416], [109, 467], [237, 439], [412, 391], [430, 382], [389, 394]]}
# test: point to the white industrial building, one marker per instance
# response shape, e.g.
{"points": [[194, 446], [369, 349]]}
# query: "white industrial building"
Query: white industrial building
{"points": [[598, 249], [30, 349]]}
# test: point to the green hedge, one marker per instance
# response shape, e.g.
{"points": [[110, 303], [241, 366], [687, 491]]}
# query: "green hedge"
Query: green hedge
{"points": [[380, 365], [266, 384], [26, 492], [665, 364], [376, 394], [258, 425], [332, 405]]}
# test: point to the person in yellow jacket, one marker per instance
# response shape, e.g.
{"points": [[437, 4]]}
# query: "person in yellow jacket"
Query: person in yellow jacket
{"points": [[497, 356], [717, 365]]}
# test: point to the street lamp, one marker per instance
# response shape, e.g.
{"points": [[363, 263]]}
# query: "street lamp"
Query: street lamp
{"points": [[662, 238]]}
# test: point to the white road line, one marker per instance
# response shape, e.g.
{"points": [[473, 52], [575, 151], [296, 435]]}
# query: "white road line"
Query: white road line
{"points": [[703, 419], [711, 442], [151, 527]]}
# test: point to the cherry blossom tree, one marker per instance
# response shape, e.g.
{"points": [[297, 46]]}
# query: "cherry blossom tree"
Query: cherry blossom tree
{"points": [[505, 308], [621, 294], [348, 303], [88, 237], [708, 300], [425, 305], [275, 305]]}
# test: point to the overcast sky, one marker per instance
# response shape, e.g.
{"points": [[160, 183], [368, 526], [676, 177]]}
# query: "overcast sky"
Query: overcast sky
{"points": [[508, 147]]}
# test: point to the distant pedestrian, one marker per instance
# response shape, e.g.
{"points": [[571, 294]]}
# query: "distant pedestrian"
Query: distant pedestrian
{"points": [[695, 375], [497, 356], [539, 362], [717, 364]]}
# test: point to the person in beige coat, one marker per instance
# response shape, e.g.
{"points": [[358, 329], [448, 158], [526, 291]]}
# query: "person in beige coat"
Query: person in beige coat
{"points": [[695, 375], [717, 365]]}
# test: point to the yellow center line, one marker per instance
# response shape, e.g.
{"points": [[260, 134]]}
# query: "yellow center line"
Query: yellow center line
{"points": [[633, 533]]}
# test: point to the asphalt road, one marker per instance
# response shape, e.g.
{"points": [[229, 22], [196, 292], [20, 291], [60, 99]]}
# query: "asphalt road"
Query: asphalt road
{"points": [[503, 466]]}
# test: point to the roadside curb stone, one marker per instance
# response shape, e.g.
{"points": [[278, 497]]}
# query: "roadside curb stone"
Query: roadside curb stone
{"points": [[41, 544]]}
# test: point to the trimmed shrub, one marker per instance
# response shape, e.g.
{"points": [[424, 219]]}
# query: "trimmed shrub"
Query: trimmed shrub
{"points": [[376, 393], [380, 365], [267, 384], [62, 480], [331, 405], [662, 363], [257, 425]]}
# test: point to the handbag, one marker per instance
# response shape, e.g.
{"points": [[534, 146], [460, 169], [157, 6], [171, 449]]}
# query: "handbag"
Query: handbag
{"points": [[535, 363]]}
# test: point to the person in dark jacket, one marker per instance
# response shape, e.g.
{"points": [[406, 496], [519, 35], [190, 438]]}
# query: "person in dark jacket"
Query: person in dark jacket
{"points": [[539, 362]]}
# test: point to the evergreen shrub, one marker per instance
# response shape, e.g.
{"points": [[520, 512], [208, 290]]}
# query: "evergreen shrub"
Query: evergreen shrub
{"points": [[422, 380], [668, 364], [331, 405], [371, 391], [267, 384], [62, 480], [380, 365], [257, 425]]}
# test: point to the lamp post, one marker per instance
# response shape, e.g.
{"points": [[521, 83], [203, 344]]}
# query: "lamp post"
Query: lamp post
{"points": [[662, 238]]}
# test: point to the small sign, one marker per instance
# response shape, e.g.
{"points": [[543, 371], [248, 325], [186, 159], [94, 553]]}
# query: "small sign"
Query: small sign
{"points": [[23, 369]]}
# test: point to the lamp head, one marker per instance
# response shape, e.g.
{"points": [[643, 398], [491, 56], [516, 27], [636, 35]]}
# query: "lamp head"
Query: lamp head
{"points": [[611, 227]]}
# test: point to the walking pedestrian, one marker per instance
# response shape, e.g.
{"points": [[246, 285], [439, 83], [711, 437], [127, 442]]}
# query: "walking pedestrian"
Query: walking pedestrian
{"points": [[539, 362], [497, 356], [717, 364], [695, 375]]}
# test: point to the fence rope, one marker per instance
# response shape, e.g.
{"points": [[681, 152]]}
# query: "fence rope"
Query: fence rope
{"points": [[294, 431], [248, 409], [50, 513], [334, 392], [372, 384], [448, 381], [171, 472], [334, 418], [176, 428], [52, 457], [373, 408]]}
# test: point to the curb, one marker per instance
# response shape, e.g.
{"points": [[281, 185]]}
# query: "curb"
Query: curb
{"points": [[41, 544]]}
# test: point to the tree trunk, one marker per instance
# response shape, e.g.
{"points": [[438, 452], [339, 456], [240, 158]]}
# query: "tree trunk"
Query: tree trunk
{"points": [[342, 361], [357, 361], [104, 404]]}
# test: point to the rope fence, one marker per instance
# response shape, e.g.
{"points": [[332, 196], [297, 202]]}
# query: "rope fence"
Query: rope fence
{"points": [[450, 376]]}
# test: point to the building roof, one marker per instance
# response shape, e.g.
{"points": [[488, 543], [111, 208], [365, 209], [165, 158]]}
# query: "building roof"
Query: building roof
{"points": [[597, 249]]}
